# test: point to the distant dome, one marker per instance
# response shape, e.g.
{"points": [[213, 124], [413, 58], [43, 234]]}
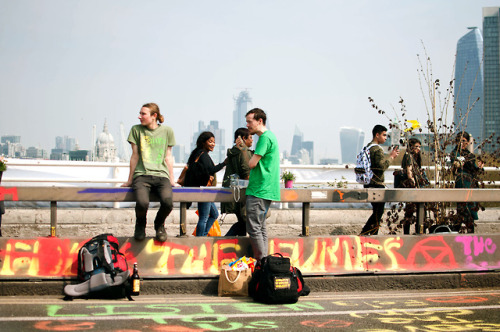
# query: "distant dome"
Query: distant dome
{"points": [[105, 149], [105, 137]]}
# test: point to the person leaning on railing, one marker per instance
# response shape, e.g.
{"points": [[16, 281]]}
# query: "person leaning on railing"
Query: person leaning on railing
{"points": [[412, 176], [467, 168]]}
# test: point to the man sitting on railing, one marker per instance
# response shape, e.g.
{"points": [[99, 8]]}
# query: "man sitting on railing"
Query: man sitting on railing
{"points": [[151, 168]]}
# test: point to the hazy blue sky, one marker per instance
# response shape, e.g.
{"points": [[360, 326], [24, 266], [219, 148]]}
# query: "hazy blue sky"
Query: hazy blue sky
{"points": [[67, 65]]}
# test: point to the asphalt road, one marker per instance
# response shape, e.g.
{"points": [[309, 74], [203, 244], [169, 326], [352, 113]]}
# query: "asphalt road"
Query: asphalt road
{"points": [[449, 310]]}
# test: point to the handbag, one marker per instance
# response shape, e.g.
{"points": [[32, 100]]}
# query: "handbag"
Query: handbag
{"points": [[182, 177], [214, 230], [233, 283]]}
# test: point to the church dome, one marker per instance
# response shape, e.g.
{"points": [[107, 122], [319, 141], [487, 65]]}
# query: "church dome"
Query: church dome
{"points": [[105, 137]]}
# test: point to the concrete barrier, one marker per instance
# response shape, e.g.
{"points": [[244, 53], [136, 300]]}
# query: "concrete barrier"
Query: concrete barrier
{"points": [[56, 258]]}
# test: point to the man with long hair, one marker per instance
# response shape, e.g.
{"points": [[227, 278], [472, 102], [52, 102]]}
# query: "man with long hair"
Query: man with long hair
{"points": [[151, 169]]}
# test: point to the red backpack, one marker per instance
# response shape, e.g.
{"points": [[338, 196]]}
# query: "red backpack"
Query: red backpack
{"points": [[100, 265]]}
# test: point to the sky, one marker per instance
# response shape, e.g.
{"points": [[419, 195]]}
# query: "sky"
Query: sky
{"points": [[67, 65]]}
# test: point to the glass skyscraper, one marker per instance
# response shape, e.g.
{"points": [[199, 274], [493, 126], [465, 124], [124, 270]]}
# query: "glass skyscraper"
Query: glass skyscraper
{"points": [[491, 39], [351, 142], [241, 107], [468, 110]]}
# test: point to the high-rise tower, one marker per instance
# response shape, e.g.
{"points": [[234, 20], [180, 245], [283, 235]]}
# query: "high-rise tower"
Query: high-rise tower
{"points": [[351, 142], [468, 111], [491, 48], [242, 105]]}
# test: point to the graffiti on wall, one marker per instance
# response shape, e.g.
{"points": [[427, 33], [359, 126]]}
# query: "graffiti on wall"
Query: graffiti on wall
{"points": [[8, 191], [57, 257]]}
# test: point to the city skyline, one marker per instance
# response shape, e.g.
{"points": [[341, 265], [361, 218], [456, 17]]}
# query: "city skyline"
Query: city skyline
{"points": [[66, 66]]}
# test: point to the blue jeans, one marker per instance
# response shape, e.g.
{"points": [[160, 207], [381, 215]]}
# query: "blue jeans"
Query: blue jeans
{"points": [[207, 213]]}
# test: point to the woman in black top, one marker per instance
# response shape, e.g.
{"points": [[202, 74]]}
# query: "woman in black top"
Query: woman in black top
{"points": [[201, 172]]}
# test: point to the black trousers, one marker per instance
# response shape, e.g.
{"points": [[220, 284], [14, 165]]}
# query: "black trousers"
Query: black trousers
{"points": [[373, 223], [161, 186]]}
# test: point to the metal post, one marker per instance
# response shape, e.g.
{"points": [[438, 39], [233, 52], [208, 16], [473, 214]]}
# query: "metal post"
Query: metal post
{"points": [[420, 218], [53, 218], [182, 221], [306, 208]]}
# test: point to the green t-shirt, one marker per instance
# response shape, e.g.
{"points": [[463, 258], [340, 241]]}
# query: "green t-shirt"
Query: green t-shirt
{"points": [[265, 177], [152, 146]]}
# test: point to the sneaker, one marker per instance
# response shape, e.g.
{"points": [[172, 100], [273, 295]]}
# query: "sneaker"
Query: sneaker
{"points": [[161, 234], [140, 232]]}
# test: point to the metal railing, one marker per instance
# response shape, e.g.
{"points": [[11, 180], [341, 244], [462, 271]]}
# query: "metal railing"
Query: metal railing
{"points": [[49, 172], [304, 196]]}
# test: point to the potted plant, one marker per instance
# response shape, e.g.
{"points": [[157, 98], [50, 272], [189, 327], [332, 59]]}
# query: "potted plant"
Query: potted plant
{"points": [[3, 166], [288, 178]]}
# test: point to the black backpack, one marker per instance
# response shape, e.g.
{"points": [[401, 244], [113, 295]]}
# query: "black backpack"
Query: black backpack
{"points": [[102, 269], [275, 281]]}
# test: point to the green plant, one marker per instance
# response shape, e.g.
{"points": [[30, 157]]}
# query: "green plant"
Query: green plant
{"points": [[3, 165], [342, 183], [287, 176]]}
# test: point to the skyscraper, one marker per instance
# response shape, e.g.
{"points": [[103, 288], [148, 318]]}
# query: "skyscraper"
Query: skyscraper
{"points": [[242, 105], [351, 142], [491, 47], [468, 111], [296, 141], [302, 151], [219, 153]]}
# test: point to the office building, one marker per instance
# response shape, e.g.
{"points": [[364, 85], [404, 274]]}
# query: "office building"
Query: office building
{"points": [[179, 153], [11, 146], [491, 51], [219, 153], [351, 142], [36, 153], [302, 152], [242, 104], [468, 103]]}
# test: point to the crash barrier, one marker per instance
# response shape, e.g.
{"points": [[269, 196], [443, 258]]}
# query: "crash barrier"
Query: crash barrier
{"points": [[84, 173], [185, 195], [196, 257]]}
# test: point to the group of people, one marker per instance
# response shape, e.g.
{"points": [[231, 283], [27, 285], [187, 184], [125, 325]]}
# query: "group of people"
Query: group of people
{"points": [[466, 168], [151, 169]]}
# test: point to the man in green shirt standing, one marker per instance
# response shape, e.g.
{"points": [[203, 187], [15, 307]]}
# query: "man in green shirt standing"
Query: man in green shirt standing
{"points": [[264, 181], [151, 168]]}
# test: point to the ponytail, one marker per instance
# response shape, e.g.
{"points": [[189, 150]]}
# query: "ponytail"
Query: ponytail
{"points": [[154, 109]]}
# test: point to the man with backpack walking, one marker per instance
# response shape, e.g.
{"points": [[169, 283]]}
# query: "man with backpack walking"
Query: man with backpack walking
{"points": [[379, 163]]}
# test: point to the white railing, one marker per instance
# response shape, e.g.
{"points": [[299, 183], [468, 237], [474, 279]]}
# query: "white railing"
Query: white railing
{"points": [[23, 172]]}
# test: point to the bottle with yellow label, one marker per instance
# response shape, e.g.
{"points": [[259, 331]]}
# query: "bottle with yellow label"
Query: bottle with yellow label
{"points": [[135, 281]]}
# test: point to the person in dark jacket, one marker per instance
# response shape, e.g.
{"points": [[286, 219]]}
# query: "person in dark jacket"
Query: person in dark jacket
{"points": [[467, 168], [414, 177], [379, 163], [237, 165], [207, 211]]}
